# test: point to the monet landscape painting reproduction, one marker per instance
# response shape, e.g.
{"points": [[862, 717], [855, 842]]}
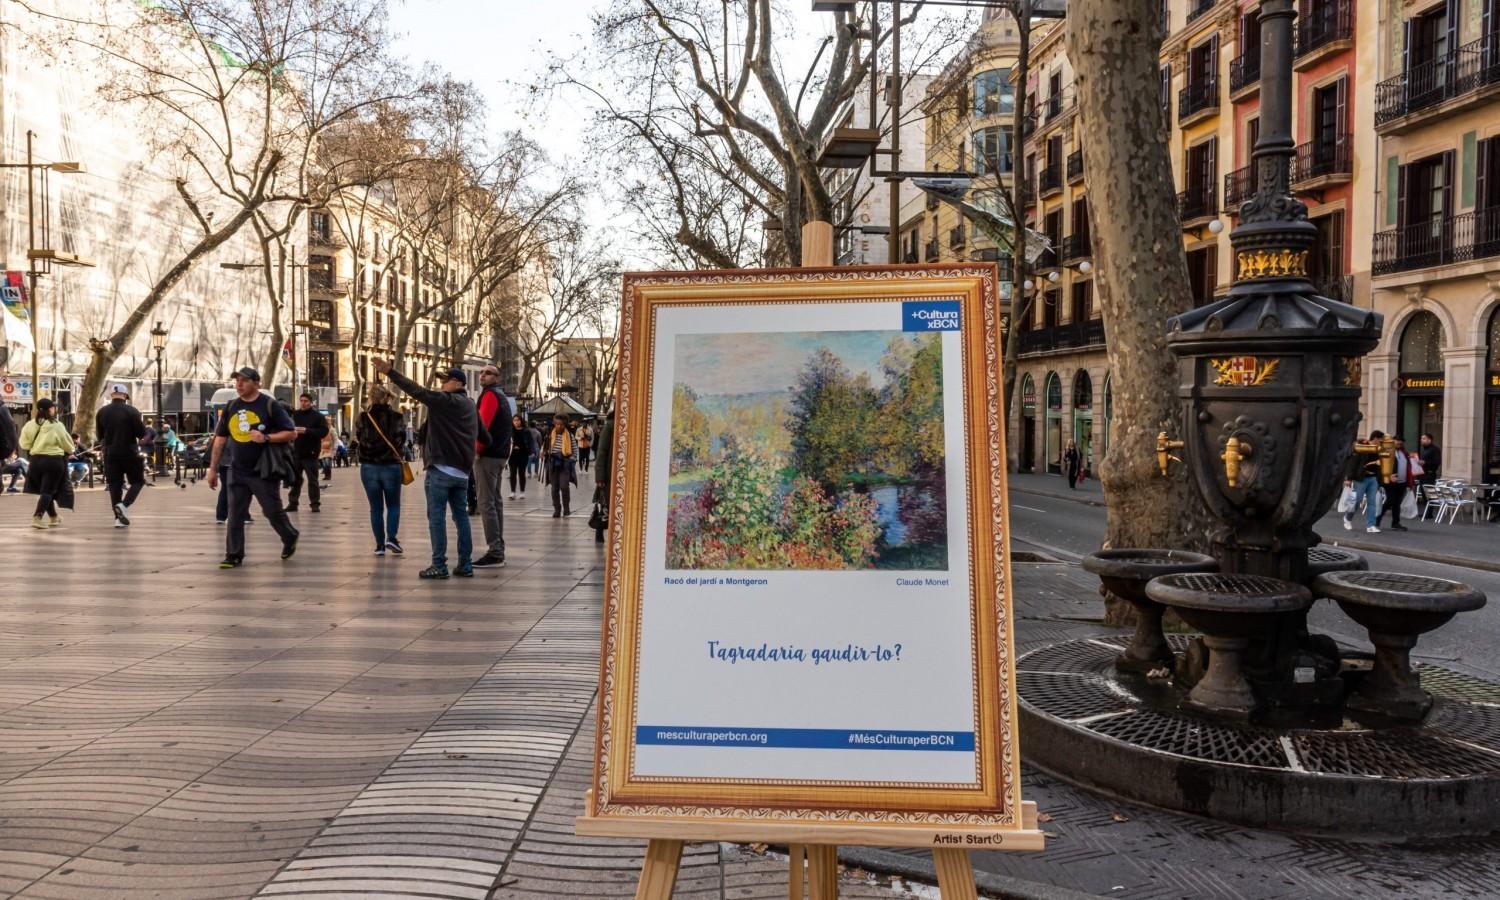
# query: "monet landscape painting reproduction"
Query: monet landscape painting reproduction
{"points": [[808, 450]]}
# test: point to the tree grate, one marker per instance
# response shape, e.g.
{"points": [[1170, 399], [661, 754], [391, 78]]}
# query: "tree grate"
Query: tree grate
{"points": [[1196, 739], [1474, 724], [1080, 657], [1397, 753], [1453, 685], [1067, 698]]}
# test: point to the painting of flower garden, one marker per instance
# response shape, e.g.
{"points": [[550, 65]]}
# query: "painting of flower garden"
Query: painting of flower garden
{"points": [[807, 450]]}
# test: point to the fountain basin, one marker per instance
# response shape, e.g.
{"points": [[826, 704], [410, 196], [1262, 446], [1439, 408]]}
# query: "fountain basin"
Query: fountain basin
{"points": [[1125, 573]]}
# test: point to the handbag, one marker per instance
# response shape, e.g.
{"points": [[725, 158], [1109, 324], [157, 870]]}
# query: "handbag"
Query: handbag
{"points": [[406, 474], [1347, 500]]}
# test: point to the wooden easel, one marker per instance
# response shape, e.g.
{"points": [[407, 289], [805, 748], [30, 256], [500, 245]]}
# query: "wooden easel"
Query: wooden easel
{"points": [[813, 848]]}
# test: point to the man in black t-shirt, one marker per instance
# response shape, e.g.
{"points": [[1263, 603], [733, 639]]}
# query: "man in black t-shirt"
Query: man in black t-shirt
{"points": [[250, 422], [312, 427], [120, 428]]}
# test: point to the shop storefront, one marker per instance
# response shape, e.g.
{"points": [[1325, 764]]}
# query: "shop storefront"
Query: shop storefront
{"points": [[1054, 424], [1419, 387], [1083, 418], [1491, 467], [1028, 423]]}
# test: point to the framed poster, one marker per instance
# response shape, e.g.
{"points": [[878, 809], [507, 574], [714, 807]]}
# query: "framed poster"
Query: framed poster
{"points": [[806, 602]]}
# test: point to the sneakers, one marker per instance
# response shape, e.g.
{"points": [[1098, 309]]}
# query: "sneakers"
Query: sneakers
{"points": [[119, 524], [556, 514], [490, 561], [120, 517], [464, 572], [512, 496], [291, 507], [567, 512], [1348, 525], [289, 547], [55, 522], [36, 522], [1398, 527], [394, 546], [315, 508], [380, 551], [230, 562], [221, 521], [434, 573], [1372, 530]]}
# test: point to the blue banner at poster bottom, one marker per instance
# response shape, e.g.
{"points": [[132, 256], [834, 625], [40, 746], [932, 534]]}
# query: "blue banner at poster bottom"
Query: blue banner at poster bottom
{"points": [[802, 738]]}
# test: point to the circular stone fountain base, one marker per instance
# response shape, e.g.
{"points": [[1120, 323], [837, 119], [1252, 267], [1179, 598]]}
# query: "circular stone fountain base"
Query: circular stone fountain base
{"points": [[1122, 734]]}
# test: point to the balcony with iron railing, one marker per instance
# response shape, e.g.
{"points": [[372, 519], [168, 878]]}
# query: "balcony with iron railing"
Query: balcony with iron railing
{"points": [[1321, 163], [1072, 336], [325, 237], [377, 341], [1244, 74], [1460, 79], [1075, 166], [1049, 180], [1238, 186], [1077, 246], [930, 252], [909, 257], [1197, 101], [1336, 287], [1324, 28], [1028, 125], [326, 284], [956, 236], [1438, 242], [1197, 202], [1197, 8]]}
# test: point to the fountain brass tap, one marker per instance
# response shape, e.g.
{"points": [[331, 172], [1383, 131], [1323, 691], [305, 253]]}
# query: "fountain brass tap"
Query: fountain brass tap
{"points": [[1383, 450], [1163, 451], [1235, 452]]}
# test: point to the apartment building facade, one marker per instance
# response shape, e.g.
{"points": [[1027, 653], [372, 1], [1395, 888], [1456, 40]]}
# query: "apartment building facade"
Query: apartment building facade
{"points": [[1062, 373], [1436, 253], [969, 108]]}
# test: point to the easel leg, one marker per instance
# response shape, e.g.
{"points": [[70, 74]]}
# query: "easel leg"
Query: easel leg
{"points": [[659, 871], [796, 870], [955, 874], [823, 871]]}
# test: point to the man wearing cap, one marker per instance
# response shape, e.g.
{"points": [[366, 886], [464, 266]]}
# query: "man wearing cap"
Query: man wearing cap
{"points": [[120, 429], [448, 454], [312, 430], [250, 422]]}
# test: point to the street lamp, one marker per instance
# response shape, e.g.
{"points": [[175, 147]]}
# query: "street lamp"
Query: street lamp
{"points": [[159, 344], [45, 255]]}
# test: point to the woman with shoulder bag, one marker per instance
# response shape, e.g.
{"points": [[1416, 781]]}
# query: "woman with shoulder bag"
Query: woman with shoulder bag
{"points": [[383, 471], [49, 444]]}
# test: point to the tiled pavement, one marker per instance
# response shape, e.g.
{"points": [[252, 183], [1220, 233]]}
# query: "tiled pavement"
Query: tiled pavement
{"points": [[333, 727]]}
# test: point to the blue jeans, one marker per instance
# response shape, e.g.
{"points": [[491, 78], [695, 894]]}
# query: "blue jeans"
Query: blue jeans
{"points": [[383, 489], [1369, 489], [445, 493]]}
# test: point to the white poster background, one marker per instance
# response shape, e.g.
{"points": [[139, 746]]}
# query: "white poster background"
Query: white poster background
{"points": [[930, 687]]}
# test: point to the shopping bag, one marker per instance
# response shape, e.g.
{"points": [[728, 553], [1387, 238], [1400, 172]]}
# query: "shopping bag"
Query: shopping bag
{"points": [[1409, 505], [1348, 499]]}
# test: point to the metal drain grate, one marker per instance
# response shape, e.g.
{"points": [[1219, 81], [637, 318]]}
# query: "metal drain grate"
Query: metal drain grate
{"points": [[1456, 685], [1200, 740], [1229, 584], [1081, 657], [1475, 724], [1067, 698], [1398, 753], [1401, 582]]}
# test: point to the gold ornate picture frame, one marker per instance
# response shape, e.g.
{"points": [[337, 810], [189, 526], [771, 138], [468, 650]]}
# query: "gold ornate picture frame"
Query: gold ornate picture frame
{"points": [[982, 809]]}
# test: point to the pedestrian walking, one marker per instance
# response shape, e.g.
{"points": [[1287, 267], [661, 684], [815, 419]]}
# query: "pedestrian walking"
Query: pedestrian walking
{"points": [[48, 444], [522, 447], [250, 424], [9, 444], [120, 428], [325, 456], [1362, 474], [221, 506], [1072, 464], [538, 451], [452, 427], [1402, 480], [561, 468], [307, 447], [492, 449], [382, 471], [1431, 456], [585, 445]]}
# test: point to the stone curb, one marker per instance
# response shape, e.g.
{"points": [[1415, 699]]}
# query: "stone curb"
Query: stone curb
{"points": [[920, 868], [1462, 562]]}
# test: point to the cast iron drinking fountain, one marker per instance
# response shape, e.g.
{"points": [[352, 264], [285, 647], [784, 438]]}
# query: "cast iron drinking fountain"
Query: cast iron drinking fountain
{"points": [[1254, 718]]}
